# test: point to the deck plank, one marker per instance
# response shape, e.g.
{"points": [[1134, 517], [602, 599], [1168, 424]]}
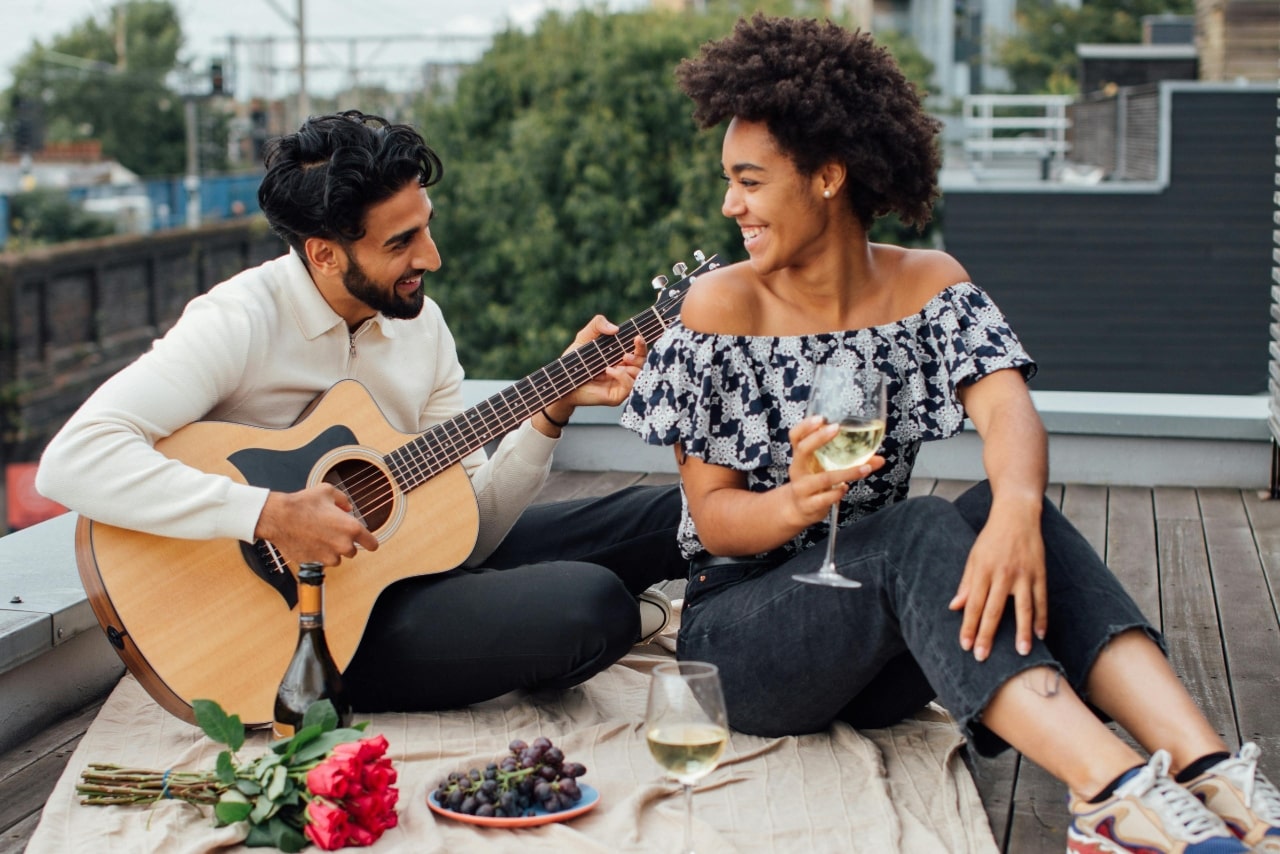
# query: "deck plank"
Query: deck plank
{"points": [[29, 772], [1250, 634], [14, 840], [1188, 609], [1131, 546]]}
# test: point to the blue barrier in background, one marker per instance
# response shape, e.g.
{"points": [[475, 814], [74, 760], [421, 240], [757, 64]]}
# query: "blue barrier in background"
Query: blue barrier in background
{"points": [[221, 197]]}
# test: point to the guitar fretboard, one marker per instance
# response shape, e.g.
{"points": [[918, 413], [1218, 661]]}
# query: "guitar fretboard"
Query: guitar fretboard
{"points": [[448, 442]]}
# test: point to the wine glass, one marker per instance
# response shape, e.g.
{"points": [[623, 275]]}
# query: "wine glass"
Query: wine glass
{"points": [[686, 726], [855, 399]]}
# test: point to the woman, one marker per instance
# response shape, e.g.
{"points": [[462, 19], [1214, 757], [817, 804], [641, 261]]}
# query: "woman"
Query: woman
{"points": [[824, 135]]}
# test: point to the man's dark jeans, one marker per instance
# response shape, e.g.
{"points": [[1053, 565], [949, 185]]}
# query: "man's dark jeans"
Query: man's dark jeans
{"points": [[554, 605], [794, 657]]}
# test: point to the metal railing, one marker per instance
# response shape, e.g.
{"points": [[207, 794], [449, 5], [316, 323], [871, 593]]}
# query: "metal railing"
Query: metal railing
{"points": [[1009, 130]]}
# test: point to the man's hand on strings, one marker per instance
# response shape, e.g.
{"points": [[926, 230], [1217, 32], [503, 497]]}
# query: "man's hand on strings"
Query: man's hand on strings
{"points": [[313, 525]]}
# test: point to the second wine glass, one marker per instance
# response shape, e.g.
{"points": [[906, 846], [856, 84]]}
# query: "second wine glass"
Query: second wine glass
{"points": [[855, 399], [686, 726]]}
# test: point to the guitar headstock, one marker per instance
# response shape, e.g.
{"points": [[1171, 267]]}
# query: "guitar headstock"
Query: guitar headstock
{"points": [[671, 294]]}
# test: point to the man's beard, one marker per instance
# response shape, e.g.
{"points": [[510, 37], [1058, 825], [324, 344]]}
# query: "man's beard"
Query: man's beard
{"points": [[387, 301]]}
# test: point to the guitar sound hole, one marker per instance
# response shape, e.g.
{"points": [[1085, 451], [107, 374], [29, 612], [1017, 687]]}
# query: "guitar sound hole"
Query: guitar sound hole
{"points": [[371, 493]]}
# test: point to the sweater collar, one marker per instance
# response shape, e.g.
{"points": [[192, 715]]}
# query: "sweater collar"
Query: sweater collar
{"points": [[315, 316]]}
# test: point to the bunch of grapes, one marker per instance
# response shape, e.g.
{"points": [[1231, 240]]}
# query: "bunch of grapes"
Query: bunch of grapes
{"points": [[530, 775]]}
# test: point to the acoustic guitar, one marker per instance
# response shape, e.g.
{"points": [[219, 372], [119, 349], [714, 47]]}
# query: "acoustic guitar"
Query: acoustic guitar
{"points": [[217, 619]]}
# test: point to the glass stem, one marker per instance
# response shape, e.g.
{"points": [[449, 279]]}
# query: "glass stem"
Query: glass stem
{"points": [[687, 848], [829, 565]]}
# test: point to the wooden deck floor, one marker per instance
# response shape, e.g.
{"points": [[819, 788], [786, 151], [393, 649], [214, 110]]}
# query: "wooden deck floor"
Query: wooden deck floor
{"points": [[1204, 564]]}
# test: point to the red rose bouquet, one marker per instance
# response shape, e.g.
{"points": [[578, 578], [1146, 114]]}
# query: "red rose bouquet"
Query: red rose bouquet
{"points": [[324, 784]]}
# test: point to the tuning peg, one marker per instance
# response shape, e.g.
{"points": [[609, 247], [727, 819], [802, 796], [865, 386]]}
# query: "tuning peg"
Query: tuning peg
{"points": [[679, 268], [659, 282], [699, 256]]}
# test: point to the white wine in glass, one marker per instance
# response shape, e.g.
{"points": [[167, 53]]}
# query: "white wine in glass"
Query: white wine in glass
{"points": [[854, 399], [686, 726]]}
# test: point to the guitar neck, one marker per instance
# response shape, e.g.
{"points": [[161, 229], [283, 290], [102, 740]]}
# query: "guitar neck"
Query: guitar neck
{"points": [[448, 442]]}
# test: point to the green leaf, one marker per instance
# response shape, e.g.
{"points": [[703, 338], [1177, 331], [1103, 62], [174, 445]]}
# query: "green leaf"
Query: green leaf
{"points": [[275, 788], [232, 807], [266, 762], [263, 807], [321, 713], [276, 833], [225, 769], [300, 739], [324, 743], [249, 787], [218, 725]]}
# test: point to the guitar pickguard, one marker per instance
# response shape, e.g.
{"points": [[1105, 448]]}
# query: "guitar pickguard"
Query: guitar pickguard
{"points": [[285, 471]]}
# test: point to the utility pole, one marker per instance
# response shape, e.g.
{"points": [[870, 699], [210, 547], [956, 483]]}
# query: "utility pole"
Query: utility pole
{"points": [[304, 100], [299, 24], [122, 44], [192, 180]]}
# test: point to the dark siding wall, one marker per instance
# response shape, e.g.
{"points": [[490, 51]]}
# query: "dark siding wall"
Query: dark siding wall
{"points": [[1164, 292]]}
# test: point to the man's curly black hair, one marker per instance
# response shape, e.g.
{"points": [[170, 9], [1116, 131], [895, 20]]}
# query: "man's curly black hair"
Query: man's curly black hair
{"points": [[825, 93], [322, 180]]}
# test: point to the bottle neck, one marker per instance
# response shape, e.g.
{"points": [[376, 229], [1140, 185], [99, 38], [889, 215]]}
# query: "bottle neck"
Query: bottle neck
{"points": [[311, 604]]}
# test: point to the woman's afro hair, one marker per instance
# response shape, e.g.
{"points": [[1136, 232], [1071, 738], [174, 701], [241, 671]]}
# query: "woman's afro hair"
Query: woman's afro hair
{"points": [[825, 93]]}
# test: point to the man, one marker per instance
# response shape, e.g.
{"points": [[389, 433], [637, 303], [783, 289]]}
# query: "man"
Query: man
{"points": [[547, 596]]}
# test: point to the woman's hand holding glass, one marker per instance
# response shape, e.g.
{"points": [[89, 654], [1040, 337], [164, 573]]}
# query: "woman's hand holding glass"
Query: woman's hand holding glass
{"points": [[851, 406], [814, 489]]}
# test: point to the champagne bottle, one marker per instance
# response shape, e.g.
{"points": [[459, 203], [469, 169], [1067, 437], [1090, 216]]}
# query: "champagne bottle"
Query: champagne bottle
{"points": [[311, 674]]}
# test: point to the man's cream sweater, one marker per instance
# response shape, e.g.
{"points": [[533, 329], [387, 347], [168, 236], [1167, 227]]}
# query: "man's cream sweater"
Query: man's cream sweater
{"points": [[256, 350]]}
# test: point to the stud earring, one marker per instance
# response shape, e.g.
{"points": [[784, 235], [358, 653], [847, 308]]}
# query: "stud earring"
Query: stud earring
{"points": [[826, 194]]}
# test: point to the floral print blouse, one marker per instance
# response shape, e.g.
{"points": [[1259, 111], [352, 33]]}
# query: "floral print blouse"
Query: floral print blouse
{"points": [[731, 400]]}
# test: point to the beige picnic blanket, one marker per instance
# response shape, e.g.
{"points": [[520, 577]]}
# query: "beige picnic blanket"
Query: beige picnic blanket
{"points": [[901, 789]]}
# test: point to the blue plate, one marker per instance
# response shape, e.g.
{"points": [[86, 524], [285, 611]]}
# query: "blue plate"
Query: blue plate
{"points": [[590, 797]]}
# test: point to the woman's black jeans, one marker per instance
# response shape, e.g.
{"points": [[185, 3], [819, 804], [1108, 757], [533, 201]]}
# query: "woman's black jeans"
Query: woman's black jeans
{"points": [[793, 657]]}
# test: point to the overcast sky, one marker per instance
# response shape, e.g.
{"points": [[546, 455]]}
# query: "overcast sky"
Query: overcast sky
{"points": [[207, 25]]}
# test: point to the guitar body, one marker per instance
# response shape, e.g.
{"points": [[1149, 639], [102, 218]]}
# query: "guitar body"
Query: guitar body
{"points": [[197, 619]]}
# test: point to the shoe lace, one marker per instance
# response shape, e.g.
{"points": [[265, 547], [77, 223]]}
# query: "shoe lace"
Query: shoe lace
{"points": [[1183, 813], [1260, 794]]}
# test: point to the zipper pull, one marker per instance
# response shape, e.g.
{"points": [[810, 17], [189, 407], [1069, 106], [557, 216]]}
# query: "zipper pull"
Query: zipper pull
{"points": [[351, 339]]}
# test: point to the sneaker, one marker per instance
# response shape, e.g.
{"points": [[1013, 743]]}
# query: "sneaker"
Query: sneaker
{"points": [[1243, 798], [1150, 814], [655, 613]]}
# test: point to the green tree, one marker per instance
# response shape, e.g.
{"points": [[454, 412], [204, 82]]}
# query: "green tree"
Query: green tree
{"points": [[84, 88], [574, 174], [1041, 56]]}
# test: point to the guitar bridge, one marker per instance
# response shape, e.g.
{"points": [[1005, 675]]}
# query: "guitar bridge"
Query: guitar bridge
{"points": [[268, 565]]}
